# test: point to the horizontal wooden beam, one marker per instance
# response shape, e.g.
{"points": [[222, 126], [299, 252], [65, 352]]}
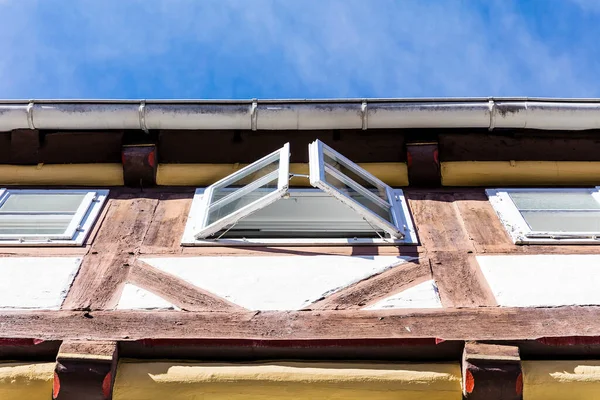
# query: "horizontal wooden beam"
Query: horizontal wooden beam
{"points": [[484, 323]]}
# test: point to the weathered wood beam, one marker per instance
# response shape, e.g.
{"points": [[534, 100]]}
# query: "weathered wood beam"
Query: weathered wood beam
{"points": [[392, 281], [85, 370], [140, 163], [460, 280], [177, 291], [105, 267], [484, 323], [423, 164], [491, 372]]}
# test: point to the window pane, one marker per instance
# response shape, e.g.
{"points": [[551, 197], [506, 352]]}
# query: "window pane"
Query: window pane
{"points": [[217, 213], [54, 202], [567, 221], [245, 179], [309, 215], [358, 197], [34, 224], [335, 163], [554, 201]]}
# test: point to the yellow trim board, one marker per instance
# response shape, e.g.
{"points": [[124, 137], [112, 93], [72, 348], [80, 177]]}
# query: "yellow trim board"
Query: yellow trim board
{"points": [[286, 381], [520, 173], [560, 380], [394, 174], [30, 381], [62, 174]]}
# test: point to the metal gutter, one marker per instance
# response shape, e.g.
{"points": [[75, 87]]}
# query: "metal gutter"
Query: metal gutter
{"points": [[489, 113]]}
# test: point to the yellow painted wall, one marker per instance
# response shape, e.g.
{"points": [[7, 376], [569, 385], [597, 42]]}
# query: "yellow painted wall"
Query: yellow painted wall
{"points": [[394, 174], [286, 380], [455, 173], [561, 380], [62, 174], [520, 173], [26, 381]]}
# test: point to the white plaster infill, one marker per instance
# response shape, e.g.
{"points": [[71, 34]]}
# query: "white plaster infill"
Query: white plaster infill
{"points": [[543, 280], [36, 282], [277, 282], [136, 298], [423, 295]]}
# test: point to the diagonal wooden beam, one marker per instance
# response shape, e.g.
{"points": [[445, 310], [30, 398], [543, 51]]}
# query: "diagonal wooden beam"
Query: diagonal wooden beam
{"points": [[177, 291], [483, 323], [370, 290]]}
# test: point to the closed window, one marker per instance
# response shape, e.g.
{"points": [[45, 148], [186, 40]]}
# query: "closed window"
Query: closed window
{"points": [[548, 215], [48, 217], [257, 206]]}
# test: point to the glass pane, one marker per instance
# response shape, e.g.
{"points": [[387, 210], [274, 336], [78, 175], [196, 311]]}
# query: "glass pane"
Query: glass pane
{"points": [[565, 221], [358, 197], [216, 214], [34, 224], [245, 179], [335, 163], [554, 201], [44, 202]]}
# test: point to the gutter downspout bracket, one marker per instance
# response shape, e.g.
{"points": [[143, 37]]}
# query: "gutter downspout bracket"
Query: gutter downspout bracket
{"points": [[492, 107], [254, 115], [142, 116], [30, 115], [364, 115]]}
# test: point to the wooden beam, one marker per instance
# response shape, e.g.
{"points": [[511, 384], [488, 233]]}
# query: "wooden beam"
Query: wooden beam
{"points": [[24, 146], [177, 291], [105, 267], [375, 288], [491, 372], [460, 280], [423, 164], [484, 323], [139, 165], [85, 370]]}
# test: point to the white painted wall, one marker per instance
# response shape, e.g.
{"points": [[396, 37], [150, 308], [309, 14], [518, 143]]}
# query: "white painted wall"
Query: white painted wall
{"points": [[543, 280], [274, 283], [423, 295], [134, 297], [36, 282]]}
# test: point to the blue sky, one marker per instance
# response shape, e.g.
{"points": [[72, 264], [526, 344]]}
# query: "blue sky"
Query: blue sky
{"points": [[298, 48]]}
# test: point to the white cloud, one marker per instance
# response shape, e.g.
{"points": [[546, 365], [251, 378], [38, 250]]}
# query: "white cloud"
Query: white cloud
{"points": [[331, 48]]}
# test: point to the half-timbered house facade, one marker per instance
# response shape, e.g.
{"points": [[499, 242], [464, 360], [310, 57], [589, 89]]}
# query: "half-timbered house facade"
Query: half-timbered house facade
{"points": [[328, 249]]}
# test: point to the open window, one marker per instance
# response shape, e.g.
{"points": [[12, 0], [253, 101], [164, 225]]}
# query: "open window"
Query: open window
{"points": [[549, 216], [244, 192], [256, 205], [48, 217]]}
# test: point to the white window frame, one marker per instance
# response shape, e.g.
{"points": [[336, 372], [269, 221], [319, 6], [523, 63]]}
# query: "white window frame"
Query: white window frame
{"points": [[318, 167], [403, 233], [78, 229], [196, 211], [283, 177], [518, 228]]}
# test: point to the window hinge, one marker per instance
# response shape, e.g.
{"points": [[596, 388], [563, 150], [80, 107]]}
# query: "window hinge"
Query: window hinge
{"points": [[26, 240], [561, 236]]}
